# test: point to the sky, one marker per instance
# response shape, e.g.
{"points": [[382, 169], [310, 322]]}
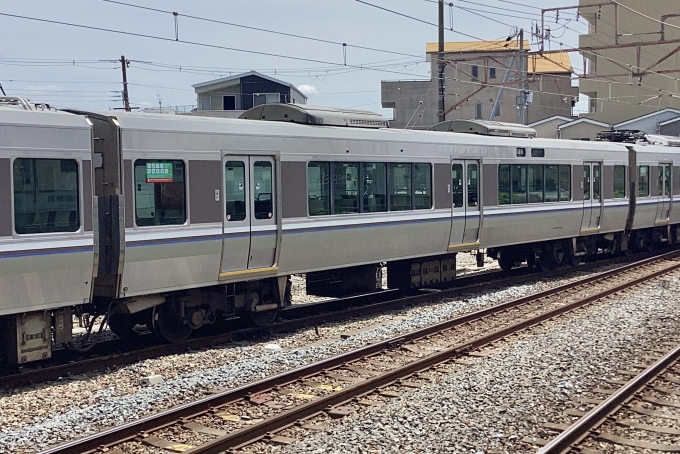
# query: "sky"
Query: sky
{"points": [[78, 67]]}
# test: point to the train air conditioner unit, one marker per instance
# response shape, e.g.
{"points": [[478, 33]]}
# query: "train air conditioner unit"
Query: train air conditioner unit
{"points": [[309, 115], [486, 128], [15, 102]]}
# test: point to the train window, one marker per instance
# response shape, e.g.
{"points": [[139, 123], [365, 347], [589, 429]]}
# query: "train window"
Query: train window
{"points": [[46, 196], [318, 188], [565, 183], [535, 177], [345, 187], [643, 181], [519, 183], [457, 185], [235, 194], [586, 182], [538, 153], [676, 180], [619, 182], [472, 185], [262, 192], [374, 187], [597, 181], [551, 183], [663, 179], [667, 180], [399, 178], [422, 186], [503, 184], [160, 192]]}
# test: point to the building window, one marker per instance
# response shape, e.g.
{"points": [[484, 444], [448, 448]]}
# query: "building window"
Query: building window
{"points": [[266, 98], [229, 102], [475, 72], [45, 195], [160, 192], [478, 111], [492, 73]]}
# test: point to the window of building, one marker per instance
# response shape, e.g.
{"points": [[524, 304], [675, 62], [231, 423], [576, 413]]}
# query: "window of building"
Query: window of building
{"points": [[551, 177], [229, 102], [345, 187], [643, 181], [492, 73], [266, 98], [475, 71], [46, 196], [235, 190], [262, 193], [422, 186], [374, 187], [160, 192], [619, 182], [503, 184], [519, 183], [319, 188], [399, 179], [478, 111]]}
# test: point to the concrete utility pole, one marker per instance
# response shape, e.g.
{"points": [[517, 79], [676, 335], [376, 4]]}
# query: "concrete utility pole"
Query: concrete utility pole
{"points": [[441, 63], [126, 100], [522, 97]]}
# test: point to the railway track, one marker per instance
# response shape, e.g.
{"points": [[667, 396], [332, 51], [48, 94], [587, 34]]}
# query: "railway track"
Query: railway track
{"points": [[282, 408], [653, 394], [118, 352]]}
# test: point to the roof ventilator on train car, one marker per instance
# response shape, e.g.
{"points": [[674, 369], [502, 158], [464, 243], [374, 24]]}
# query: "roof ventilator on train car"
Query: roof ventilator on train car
{"points": [[312, 115], [485, 128]]}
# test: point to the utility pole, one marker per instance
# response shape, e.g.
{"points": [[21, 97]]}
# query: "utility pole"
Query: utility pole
{"points": [[2, 90], [441, 63], [522, 97], [126, 100]]}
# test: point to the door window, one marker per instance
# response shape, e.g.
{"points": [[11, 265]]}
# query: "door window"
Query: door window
{"points": [[472, 185], [235, 195], [262, 191], [457, 185], [596, 181], [586, 182]]}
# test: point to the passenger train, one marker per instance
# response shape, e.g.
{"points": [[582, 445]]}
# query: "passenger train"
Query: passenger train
{"points": [[178, 221]]}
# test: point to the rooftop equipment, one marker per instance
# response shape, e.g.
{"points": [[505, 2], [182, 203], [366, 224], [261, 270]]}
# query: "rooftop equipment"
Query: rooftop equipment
{"points": [[485, 127], [309, 115]]}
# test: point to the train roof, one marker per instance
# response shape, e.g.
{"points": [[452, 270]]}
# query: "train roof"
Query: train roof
{"points": [[41, 118], [209, 125]]}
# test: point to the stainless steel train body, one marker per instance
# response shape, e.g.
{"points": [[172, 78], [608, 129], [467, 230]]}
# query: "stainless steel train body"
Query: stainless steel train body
{"points": [[170, 220]]}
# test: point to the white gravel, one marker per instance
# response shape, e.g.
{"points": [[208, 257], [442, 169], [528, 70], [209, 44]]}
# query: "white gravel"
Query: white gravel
{"points": [[491, 406], [45, 415]]}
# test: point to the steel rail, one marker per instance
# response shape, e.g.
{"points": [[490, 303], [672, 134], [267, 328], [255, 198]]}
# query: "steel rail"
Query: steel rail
{"points": [[591, 420], [131, 430]]}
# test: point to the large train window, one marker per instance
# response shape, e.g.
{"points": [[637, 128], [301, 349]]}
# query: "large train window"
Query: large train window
{"points": [[643, 181], [565, 183], [619, 182], [551, 180], [422, 186], [235, 196], [535, 177], [676, 180], [46, 196], [345, 187], [318, 188], [399, 178], [503, 184], [519, 183], [374, 187], [160, 192]]}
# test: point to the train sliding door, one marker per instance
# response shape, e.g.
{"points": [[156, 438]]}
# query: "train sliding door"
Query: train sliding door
{"points": [[465, 209], [250, 220], [592, 197], [664, 192]]}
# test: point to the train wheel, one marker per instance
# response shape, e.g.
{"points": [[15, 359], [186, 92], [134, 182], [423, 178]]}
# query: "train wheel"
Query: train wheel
{"points": [[264, 318], [506, 261], [122, 325], [168, 325]]}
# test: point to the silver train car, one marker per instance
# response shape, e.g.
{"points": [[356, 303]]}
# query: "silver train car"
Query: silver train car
{"points": [[175, 222]]}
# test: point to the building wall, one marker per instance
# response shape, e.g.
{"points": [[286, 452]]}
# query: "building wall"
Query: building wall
{"points": [[581, 131], [650, 125], [617, 102], [671, 129], [549, 129], [468, 98]]}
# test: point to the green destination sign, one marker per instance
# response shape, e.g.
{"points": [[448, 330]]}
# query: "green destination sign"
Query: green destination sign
{"points": [[159, 172]]}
